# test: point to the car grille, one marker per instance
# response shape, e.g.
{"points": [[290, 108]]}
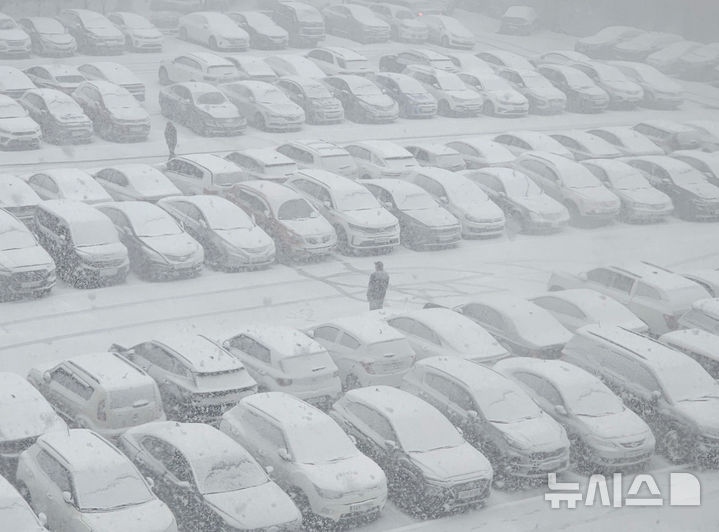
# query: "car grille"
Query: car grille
{"points": [[547, 455], [31, 277], [179, 258], [632, 444], [319, 239], [378, 230], [110, 263], [481, 485]]}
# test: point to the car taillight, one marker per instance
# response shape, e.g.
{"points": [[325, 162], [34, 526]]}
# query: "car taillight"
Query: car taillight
{"points": [[368, 367], [284, 382], [101, 415], [671, 321]]}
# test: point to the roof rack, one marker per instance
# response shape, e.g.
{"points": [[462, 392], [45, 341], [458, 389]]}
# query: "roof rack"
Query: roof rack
{"points": [[662, 268]]}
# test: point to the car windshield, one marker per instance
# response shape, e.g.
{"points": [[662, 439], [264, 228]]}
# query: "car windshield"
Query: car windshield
{"points": [[271, 95], [64, 107], [96, 21], [320, 442], [409, 85], [232, 472], [316, 90], [536, 81], [688, 382], [609, 73], [450, 82], [365, 88], [577, 78], [17, 515], [15, 237], [688, 176], [401, 161], [105, 488], [307, 14], [257, 19], [414, 201], [223, 215], [521, 187], [340, 161], [117, 100], [594, 400], [356, 200], [48, 26], [93, 233], [362, 14], [296, 209], [7, 24], [580, 177], [211, 98], [466, 193], [434, 432], [450, 159], [11, 109], [628, 180], [506, 405], [159, 225], [400, 346]]}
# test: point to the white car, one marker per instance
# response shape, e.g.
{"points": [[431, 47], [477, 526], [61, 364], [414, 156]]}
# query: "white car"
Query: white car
{"points": [[58, 76], [627, 140], [479, 215], [577, 307], [294, 65], [453, 96], [543, 97], [67, 183], [207, 479], [202, 173], [316, 153], [435, 154], [366, 350], [140, 34], [377, 159], [81, 482], [443, 332], [13, 39], [479, 152], [17, 129], [500, 59], [500, 98], [253, 67], [16, 513], [135, 181], [265, 106], [335, 60], [197, 66], [215, 30], [704, 315], [285, 359], [115, 73], [707, 278], [14, 82], [699, 344], [311, 458], [584, 145], [448, 32], [519, 142], [18, 198], [264, 163]]}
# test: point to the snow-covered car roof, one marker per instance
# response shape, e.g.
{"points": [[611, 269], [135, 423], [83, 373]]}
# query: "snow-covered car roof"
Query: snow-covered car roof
{"points": [[106, 87], [368, 330], [694, 340], [508, 58], [593, 303], [12, 78], [112, 371], [213, 163], [139, 213], [199, 87], [204, 355], [60, 69], [24, 411], [612, 166], [709, 306], [14, 192], [562, 163], [74, 211], [709, 158], [322, 147], [76, 183], [563, 374], [395, 404], [668, 125], [590, 141], [670, 164], [11, 498], [345, 53], [384, 148], [115, 72], [84, 449], [660, 277], [397, 186], [9, 222], [433, 147], [474, 376], [285, 342], [51, 96], [489, 147], [706, 275], [539, 140], [275, 193], [287, 409], [146, 178], [502, 173], [267, 156], [209, 58], [333, 181]]}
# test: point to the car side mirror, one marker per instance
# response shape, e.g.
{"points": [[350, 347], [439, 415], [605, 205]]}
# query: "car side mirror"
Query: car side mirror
{"points": [[444, 199], [387, 204], [284, 454], [269, 469], [656, 395], [559, 409], [184, 484], [150, 482], [391, 445], [46, 378], [67, 497], [42, 518], [472, 414], [327, 204]]}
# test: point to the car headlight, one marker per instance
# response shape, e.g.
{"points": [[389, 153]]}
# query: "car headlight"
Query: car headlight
{"points": [[473, 219], [155, 256], [358, 228], [601, 443], [513, 444], [328, 493]]}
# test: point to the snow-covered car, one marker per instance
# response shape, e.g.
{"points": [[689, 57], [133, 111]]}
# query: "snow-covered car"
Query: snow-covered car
{"points": [[135, 181], [264, 163], [413, 99], [285, 359], [621, 90], [430, 468], [577, 307], [699, 344], [334, 60], [252, 67], [378, 159], [115, 73], [694, 197], [600, 45], [448, 32], [655, 295], [213, 29], [526, 207], [298, 230], [65, 78], [99, 391], [583, 95], [48, 36], [80, 481], [524, 328], [158, 247], [480, 152], [519, 20], [67, 183], [26, 269], [314, 97], [18, 198], [469, 62], [640, 200], [543, 97], [303, 22], [660, 91], [82, 241], [16, 513], [14, 41], [478, 215], [669, 390], [706, 163], [571, 184], [443, 332], [115, 113], [14, 82], [202, 173], [669, 58], [197, 66], [208, 479], [707, 278], [356, 22], [495, 415], [141, 35], [311, 458], [670, 135], [201, 107], [603, 432], [360, 222], [362, 99], [453, 97], [559, 57], [404, 25], [704, 315], [230, 237], [697, 63], [438, 155], [584, 145], [500, 98], [93, 32], [500, 59], [17, 130], [416, 56], [520, 142], [366, 350], [316, 153], [263, 31], [25, 416], [198, 380], [294, 65], [61, 118], [424, 224], [265, 106], [639, 47], [627, 140]]}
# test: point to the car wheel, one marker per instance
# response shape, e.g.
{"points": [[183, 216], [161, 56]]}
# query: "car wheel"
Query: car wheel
{"points": [[24, 492], [212, 43], [574, 215], [342, 240], [489, 109], [674, 446], [259, 121], [164, 77], [514, 223], [444, 108], [183, 34]]}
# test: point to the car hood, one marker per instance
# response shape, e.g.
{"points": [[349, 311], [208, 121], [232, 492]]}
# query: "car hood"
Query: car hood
{"points": [[591, 91], [703, 413], [666, 86], [594, 194], [20, 123], [135, 113], [147, 33], [465, 95], [72, 118], [220, 111], [20, 258], [702, 190], [536, 434], [370, 218], [255, 508], [463, 461], [625, 424], [486, 209], [18, 425], [283, 109], [649, 195], [358, 473], [58, 38], [413, 24], [251, 238], [546, 92], [308, 226], [541, 204], [113, 250], [148, 517], [109, 32], [14, 34], [378, 100], [175, 245], [507, 96], [624, 86], [438, 217]]}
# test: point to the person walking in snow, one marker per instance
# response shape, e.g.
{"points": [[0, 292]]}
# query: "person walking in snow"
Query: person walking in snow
{"points": [[377, 287], [171, 138]]}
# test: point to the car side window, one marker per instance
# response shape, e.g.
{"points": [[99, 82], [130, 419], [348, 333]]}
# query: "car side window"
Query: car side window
{"points": [[55, 471], [251, 347], [485, 314], [601, 276], [349, 341], [406, 325], [326, 332], [266, 430], [598, 172], [451, 391], [70, 382], [360, 153], [623, 283], [426, 333], [374, 420], [540, 387], [562, 307], [644, 290]]}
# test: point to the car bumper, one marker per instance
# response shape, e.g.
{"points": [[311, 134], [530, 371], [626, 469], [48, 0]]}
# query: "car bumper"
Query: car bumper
{"points": [[20, 143], [174, 270], [437, 239], [664, 101], [506, 109], [620, 457], [130, 132], [466, 109], [599, 214], [248, 262], [101, 273], [283, 125], [525, 466], [320, 116], [646, 214], [546, 225], [114, 48], [52, 49], [270, 42], [458, 496], [409, 35], [477, 229], [147, 46], [229, 130], [365, 241], [12, 50], [547, 106], [593, 106], [27, 283], [420, 110], [312, 250], [70, 135], [350, 511]]}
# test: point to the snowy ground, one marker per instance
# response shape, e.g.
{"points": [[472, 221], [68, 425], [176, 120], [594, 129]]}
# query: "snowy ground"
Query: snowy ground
{"points": [[73, 321]]}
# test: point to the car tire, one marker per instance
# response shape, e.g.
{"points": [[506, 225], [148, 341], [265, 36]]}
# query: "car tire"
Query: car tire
{"points": [[342, 240], [212, 43], [674, 447], [259, 122], [443, 108], [489, 109], [183, 34], [163, 76]]}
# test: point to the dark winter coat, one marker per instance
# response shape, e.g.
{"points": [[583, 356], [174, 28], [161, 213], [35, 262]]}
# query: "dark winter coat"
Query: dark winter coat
{"points": [[378, 282], [171, 135]]}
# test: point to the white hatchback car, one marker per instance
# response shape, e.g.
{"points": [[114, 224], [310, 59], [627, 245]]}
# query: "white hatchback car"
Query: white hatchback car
{"points": [[311, 457], [83, 483], [285, 359]]}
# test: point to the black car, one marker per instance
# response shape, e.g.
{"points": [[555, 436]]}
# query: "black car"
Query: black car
{"points": [[263, 31], [362, 99], [423, 222], [413, 99], [694, 197], [61, 118], [583, 95], [355, 22], [202, 108], [303, 23], [93, 32], [315, 99]]}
